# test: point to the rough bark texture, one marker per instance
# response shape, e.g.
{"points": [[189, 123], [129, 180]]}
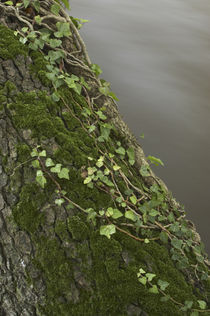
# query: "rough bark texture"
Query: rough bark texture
{"points": [[52, 260]]}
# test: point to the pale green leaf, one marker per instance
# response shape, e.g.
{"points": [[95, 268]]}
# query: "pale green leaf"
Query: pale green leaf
{"points": [[163, 284], [143, 280], [133, 199], [59, 202], [49, 162], [155, 160], [87, 180], [154, 289], [116, 213], [42, 153], [130, 215], [202, 304], [55, 8], [64, 174], [107, 230], [144, 171], [40, 178], [150, 276], [131, 155], [35, 163], [120, 150], [57, 168]]}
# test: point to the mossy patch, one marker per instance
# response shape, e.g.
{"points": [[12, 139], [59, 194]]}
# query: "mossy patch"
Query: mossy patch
{"points": [[10, 47]]}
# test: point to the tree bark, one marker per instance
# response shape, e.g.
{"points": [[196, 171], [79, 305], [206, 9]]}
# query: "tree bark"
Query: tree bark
{"points": [[53, 260]]}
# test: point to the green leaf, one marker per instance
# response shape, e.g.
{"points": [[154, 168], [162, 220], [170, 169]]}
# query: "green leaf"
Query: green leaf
{"points": [[24, 29], [9, 2], [91, 128], [55, 96], [130, 215], [165, 298], [64, 174], [153, 212], [107, 181], [49, 162], [155, 160], [40, 178], [202, 304], [42, 153], [63, 29], [34, 153], [38, 19], [141, 271], [84, 83], [113, 95], [143, 280], [96, 69], [116, 167], [171, 218], [105, 131], [57, 168], [109, 211], [55, 8], [144, 171], [163, 284], [150, 276], [177, 243], [36, 5], [87, 180], [55, 43], [101, 115], [133, 199], [26, 3], [101, 212], [146, 241], [107, 230], [66, 3], [35, 163], [188, 304], [164, 237], [116, 213], [120, 151], [131, 155], [59, 201], [154, 289]]}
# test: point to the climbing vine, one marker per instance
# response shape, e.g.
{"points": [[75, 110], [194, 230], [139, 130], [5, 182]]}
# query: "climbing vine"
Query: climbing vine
{"points": [[141, 212]]}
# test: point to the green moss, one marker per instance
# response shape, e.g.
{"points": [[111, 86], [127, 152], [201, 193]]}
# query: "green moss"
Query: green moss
{"points": [[27, 211], [23, 152], [10, 47], [77, 228]]}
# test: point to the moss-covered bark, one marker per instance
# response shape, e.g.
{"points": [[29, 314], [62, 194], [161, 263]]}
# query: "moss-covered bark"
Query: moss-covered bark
{"points": [[54, 261]]}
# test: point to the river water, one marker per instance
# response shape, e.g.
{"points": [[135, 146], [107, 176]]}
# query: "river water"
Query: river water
{"points": [[156, 54]]}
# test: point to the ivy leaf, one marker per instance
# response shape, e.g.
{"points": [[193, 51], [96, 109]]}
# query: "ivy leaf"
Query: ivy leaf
{"points": [[59, 201], [64, 174], [141, 271], [84, 83], [63, 29], [101, 115], [66, 3], [153, 212], [55, 96], [155, 160], [164, 237], [109, 211], [55, 8], [144, 171], [154, 289], [116, 167], [150, 276], [202, 304], [163, 284], [107, 230], [26, 3], [143, 280], [133, 199], [131, 155], [36, 5], [55, 42], [40, 178], [101, 212], [165, 298], [35, 163], [146, 241], [57, 168], [42, 153], [49, 162], [116, 213], [34, 153], [38, 19], [87, 180], [96, 69], [9, 2], [177, 243], [120, 151], [130, 215]]}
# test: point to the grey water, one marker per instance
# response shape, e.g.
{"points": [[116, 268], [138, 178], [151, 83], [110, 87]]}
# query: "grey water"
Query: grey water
{"points": [[156, 54]]}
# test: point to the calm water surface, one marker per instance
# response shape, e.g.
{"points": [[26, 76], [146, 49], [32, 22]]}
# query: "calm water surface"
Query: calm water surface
{"points": [[156, 54]]}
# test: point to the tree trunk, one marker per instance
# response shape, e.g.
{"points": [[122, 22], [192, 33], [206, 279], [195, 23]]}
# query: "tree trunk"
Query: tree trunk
{"points": [[80, 209]]}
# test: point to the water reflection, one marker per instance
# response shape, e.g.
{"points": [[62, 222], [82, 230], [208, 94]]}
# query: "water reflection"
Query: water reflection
{"points": [[156, 54]]}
